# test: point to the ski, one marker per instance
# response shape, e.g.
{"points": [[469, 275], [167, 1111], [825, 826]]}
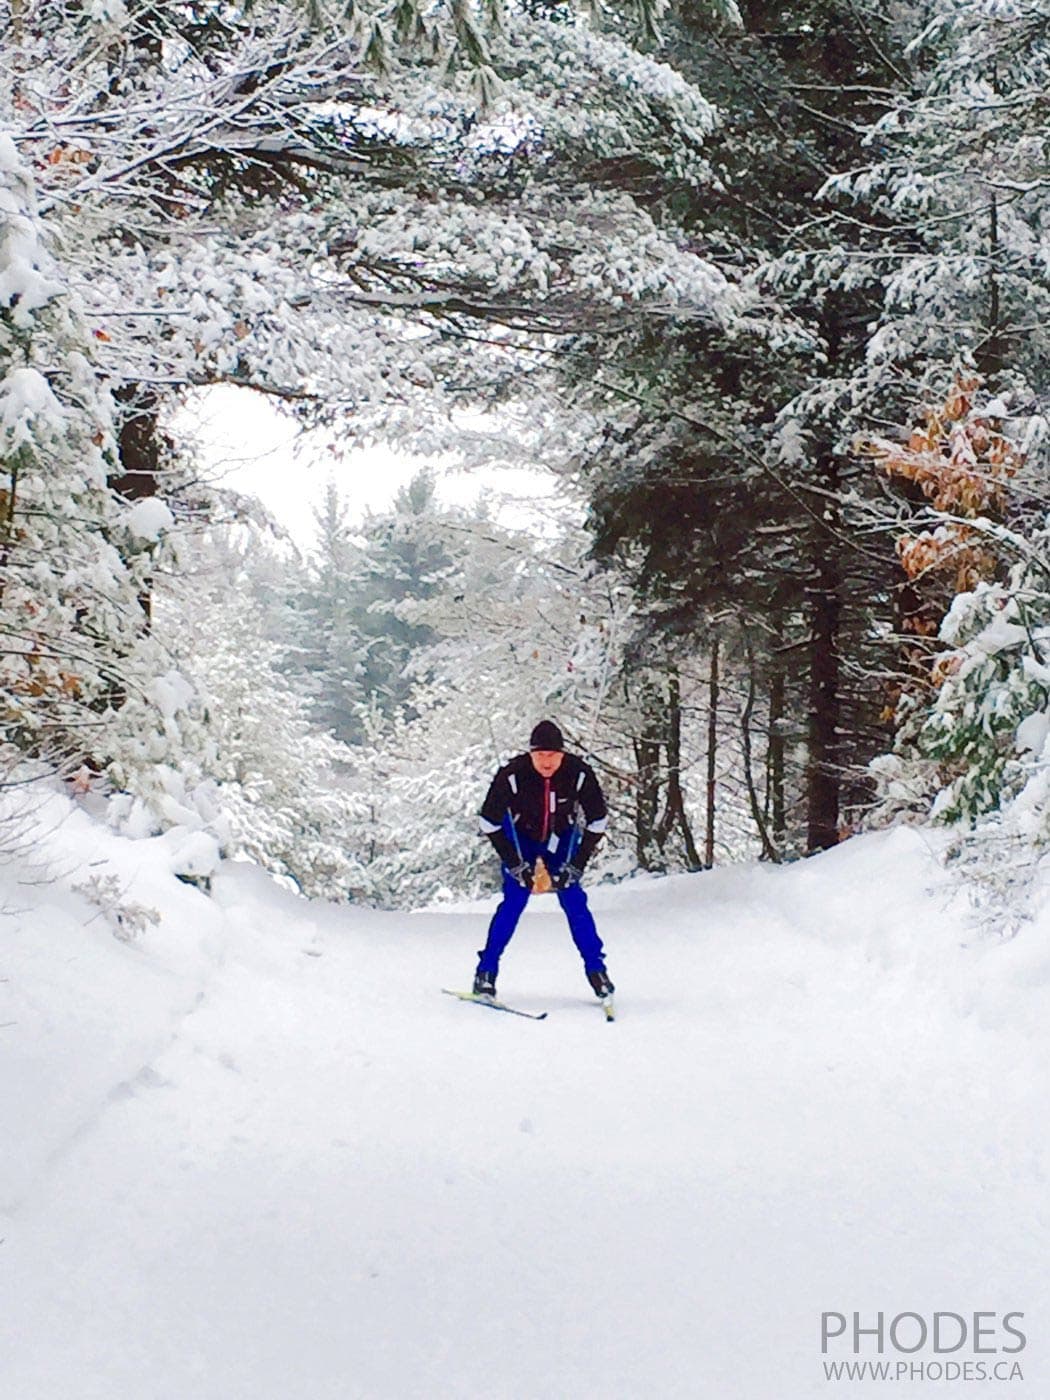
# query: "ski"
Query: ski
{"points": [[606, 1004], [496, 1005]]}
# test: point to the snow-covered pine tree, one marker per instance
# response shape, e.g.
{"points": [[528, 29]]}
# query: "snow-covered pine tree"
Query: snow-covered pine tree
{"points": [[988, 733], [271, 784], [356, 638], [954, 172], [973, 711], [716, 478], [726, 477], [323, 648], [405, 561], [315, 185], [254, 230], [83, 683]]}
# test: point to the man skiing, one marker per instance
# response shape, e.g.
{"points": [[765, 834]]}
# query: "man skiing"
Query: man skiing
{"points": [[544, 805]]}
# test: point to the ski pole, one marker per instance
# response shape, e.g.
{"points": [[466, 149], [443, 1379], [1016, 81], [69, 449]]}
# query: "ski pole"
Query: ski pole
{"points": [[514, 834], [572, 843]]}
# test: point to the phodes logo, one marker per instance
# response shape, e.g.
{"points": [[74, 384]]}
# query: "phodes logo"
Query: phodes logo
{"points": [[981, 1345]]}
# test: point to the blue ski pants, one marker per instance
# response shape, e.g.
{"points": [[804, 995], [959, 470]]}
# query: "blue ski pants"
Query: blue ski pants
{"points": [[515, 897]]}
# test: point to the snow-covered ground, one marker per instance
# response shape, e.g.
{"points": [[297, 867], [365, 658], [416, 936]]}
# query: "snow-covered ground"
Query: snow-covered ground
{"points": [[253, 1154]]}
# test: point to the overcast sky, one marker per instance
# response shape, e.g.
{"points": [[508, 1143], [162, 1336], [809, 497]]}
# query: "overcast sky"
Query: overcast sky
{"points": [[244, 443]]}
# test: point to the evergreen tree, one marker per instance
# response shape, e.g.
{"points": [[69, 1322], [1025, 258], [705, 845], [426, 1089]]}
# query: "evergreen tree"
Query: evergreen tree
{"points": [[972, 705], [720, 483], [953, 171], [324, 651], [405, 562], [267, 781], [81, 679]]}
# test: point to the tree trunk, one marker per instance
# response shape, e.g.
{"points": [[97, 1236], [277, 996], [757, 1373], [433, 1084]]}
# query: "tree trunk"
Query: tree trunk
{"points": [[674, 811], [775, 760], [8, 506], [140, 455], [991, 354], [712, 750], [647, 746], [824, 605], [139, 444], [769, 852]]}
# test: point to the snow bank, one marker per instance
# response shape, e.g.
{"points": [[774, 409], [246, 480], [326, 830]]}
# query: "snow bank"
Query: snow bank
{"points": [[257, 1154], [85, 1004]]}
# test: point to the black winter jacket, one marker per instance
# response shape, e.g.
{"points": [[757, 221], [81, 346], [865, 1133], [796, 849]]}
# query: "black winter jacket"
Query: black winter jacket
{"points": [[544, 808]]}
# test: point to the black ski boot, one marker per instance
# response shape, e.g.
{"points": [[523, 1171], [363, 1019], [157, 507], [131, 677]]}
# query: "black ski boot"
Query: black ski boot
{"points": [[484, 984], [601, 984]]}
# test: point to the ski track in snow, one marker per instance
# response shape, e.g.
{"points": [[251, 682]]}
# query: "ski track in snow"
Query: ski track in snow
{"points": [[275, 1163]]}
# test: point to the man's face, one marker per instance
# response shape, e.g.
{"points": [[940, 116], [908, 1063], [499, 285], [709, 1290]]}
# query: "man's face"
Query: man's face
{"points": [[546, 761]]}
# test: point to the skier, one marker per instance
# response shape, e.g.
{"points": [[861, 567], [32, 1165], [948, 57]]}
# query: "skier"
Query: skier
{"points": [[535, 808]]}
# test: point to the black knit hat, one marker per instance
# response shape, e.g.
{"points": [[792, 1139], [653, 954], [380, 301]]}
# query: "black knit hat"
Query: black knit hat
{"points": [[547, 735]]}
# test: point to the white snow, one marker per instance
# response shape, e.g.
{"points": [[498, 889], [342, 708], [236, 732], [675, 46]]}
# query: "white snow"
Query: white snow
{"points": [[254, 1154], [1033, 733], [149, 518], [25, 397]]}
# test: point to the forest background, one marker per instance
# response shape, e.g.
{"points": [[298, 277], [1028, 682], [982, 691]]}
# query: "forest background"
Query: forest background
{"points": [[763, 289]]}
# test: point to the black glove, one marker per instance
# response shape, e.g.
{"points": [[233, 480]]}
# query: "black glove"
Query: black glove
{"points": [[568, 876], [522, 873]]}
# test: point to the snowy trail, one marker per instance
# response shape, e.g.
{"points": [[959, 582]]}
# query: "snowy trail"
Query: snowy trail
{"points": [[331, 1181]]}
